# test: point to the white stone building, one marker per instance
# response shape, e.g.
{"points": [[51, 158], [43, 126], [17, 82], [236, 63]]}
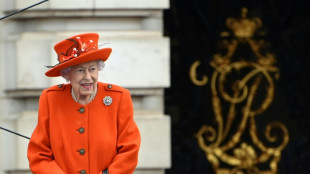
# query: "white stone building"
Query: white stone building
{"points": [[139, 62]]}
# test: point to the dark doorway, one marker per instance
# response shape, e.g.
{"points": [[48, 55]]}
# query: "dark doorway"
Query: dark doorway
{"points": [[194, 27]]}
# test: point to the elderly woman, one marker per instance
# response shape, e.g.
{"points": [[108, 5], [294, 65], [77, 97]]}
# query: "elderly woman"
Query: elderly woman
{"points": [[84, 126]]}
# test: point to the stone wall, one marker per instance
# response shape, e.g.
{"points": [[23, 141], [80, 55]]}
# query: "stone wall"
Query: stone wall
{"points": [[140, 62]]}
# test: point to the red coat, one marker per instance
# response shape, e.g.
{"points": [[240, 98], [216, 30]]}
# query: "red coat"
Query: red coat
{"points": [[71, 137]]}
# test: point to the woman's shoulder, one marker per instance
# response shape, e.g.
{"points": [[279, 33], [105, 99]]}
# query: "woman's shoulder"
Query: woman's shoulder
{"points": [[56, 90], [59, 87], [112, 87]]}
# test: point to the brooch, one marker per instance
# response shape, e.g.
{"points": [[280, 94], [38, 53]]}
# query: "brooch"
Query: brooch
{"points": [[107, 100]]}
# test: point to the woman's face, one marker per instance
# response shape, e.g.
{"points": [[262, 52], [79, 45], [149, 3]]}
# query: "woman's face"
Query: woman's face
{"points": [[83, 78]]}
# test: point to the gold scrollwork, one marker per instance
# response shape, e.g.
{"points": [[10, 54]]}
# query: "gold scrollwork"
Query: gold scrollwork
{"points": [[224, 144], [193, 75]]}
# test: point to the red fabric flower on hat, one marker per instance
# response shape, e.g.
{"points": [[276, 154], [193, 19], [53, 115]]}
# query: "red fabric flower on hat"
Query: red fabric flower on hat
{"points": [[76, 49]]}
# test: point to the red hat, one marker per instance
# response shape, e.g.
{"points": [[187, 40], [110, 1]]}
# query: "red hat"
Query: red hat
{"points": [[77, 49]]}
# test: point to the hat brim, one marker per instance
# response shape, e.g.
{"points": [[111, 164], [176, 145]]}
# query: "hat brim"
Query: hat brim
{"points": [[102, 54]]}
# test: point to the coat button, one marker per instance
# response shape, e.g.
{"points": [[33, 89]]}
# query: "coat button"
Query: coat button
{"points": [[109, 86], [82, 151], [83, 172], [60, 86], [81, 110], [81, 130]]}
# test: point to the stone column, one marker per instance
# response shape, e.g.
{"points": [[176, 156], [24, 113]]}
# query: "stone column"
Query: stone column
{"points": [[140, 62]]}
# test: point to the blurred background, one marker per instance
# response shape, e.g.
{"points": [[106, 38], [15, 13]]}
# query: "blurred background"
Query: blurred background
{"points": [[219, 87]]}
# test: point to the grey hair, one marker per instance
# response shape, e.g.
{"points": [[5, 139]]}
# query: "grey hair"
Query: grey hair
{"points": [[64, 72], [100, 64]]}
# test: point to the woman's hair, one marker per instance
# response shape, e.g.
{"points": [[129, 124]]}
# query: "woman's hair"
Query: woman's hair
{"points": [[63, 72], [100, 64]]}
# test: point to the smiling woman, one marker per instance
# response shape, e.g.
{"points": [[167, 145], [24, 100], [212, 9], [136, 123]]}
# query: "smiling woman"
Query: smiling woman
{"points": [[83, 78], [85, 126]]}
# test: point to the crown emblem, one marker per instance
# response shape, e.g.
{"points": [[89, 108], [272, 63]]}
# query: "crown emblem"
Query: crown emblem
{"points": [[244, 27]]}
